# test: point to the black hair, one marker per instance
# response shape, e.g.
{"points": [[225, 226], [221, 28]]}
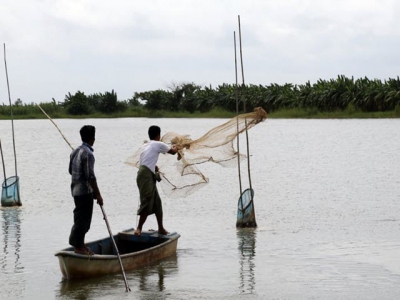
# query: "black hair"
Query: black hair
{"points": [[154, 131], [87, 133]]}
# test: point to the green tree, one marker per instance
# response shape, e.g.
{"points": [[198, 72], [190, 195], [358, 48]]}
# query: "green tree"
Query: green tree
{"points": [[77, 104], [108, 102], [18, 102], [186, 96]]}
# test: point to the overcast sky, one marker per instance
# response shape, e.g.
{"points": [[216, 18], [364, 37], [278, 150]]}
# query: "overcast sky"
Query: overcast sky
{"points": [[58, 46]]}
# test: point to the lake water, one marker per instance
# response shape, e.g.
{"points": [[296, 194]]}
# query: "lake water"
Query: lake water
{"points": [[327, 200]]}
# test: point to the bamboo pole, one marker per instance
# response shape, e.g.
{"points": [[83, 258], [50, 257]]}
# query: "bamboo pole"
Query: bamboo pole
{"points": [[4, 166], [116, 249], [244, 104], [237, 113], [253, 223], [12, 126], [55, 126], [12, 116]]}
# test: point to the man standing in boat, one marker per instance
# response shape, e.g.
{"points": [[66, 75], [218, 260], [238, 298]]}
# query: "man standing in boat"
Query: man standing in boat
{"points": [[83, 188], [150, 201]]}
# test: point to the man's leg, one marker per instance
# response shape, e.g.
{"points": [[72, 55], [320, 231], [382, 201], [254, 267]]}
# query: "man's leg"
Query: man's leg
{"points": [[159, 212], [161, 229], [142, 219], [82, 219]]}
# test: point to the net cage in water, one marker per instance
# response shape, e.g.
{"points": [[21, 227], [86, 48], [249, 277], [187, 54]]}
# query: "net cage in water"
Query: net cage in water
{"points": [[10, 192], [246, 216]]}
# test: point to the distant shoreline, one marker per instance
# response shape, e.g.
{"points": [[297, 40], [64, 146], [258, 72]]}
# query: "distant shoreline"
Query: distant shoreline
{"points": [[280, 114]]}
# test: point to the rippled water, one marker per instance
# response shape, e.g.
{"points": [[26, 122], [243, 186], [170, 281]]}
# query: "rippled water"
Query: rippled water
{"points": [[327, 200]]}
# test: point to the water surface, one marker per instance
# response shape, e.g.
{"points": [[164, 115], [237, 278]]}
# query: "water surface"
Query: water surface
{"points": [[326, 198]]}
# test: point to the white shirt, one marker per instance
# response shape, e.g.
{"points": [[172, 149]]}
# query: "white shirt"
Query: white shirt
{"points": [[150, 152]]}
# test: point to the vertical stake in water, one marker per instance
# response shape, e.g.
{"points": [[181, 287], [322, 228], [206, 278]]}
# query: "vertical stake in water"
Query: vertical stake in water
{"points": [[12, 126], [246, 213], [237, 113], [4, 166]]}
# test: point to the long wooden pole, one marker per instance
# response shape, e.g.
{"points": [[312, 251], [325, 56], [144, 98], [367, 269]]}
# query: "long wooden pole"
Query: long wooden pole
{"points": [[116, 249], [244, 104], [237, 113], [102, 209], [4, 166], [12, 117], [55, 125], [12, 126], [253, 224]]}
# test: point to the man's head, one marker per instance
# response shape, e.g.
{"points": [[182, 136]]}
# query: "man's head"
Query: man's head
{"points": [[88, 134], [154, 132]]}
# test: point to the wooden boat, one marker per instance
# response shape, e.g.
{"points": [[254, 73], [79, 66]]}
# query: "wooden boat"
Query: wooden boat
{"points": [[135, 251]]}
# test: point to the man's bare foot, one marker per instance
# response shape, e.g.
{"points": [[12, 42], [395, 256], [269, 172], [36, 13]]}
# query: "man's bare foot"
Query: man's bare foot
{"points": [[83, 250], [163, 231], [137, 232]]}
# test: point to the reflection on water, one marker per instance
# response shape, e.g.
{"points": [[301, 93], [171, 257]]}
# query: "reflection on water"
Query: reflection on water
{"points": [[87, 288], [11, 227], [10, 260], [146, 282], [149, 280], [247, 252]]}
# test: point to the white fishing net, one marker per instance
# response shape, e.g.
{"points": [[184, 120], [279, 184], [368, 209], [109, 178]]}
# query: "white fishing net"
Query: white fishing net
{"points": [[182, 177]]}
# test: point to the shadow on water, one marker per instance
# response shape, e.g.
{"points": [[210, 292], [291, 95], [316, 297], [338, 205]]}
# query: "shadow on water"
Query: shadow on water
{"points": [[247, 252], [148, 281], [11, 236]]}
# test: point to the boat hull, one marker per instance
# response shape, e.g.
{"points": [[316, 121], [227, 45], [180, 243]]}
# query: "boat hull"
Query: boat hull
{"points": [[135, 252]]}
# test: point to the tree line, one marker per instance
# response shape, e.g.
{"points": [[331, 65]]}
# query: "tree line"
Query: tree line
{"points": [[325, 95]]}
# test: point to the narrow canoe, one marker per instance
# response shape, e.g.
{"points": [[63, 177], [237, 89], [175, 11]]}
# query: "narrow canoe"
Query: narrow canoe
{"points": [[135, 251]]}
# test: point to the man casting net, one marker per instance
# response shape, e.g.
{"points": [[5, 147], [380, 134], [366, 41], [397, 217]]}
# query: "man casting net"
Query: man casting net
{"points": [[182, 177]]}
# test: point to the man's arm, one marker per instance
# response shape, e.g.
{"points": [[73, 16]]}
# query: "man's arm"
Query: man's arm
{"points": [[173, 150], [96, 192], [89, 170]]}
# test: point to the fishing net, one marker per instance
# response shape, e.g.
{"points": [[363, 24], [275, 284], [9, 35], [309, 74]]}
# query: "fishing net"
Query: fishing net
{"points": [[10, 192], [246, 214], [182, 177]]}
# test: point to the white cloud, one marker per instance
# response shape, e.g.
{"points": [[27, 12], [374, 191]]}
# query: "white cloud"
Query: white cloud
{"points": [[56, 47]]}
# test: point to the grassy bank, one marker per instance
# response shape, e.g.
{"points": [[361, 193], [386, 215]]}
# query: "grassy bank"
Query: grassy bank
{"points": [[215, 113], [130, 113], [344, 114]]}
